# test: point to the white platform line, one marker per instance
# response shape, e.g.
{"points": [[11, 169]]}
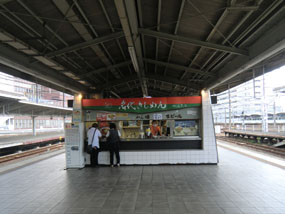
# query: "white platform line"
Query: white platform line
{"points": [[253, 154]]}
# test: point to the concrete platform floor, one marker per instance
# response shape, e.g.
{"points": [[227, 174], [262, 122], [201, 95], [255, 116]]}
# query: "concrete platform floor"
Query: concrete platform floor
{"points": [[238, 184]]}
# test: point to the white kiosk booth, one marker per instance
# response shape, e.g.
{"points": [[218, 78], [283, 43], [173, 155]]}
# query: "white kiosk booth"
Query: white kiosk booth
{"points": [[187, 130]]}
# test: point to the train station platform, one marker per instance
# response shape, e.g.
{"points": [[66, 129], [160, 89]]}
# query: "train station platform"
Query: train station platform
{"points": [[238, 184], [279, 135], [257, 136], [14, 139]]}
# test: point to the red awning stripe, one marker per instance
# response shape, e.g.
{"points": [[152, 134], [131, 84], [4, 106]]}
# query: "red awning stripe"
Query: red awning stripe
{"points": [[148, 101]]}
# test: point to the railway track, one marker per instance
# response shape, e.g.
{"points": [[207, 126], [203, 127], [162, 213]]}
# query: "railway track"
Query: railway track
{"points": [[30, 152], [280, 152]]}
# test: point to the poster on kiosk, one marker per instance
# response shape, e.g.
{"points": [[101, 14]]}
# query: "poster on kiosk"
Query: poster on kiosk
{"points": [[74, 135]]}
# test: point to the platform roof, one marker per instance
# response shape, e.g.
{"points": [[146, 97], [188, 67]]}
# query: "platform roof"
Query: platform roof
{"points": [[132, 48], [13, 104]]}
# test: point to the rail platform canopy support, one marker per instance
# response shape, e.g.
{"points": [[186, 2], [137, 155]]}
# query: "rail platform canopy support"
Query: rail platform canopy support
{"points": [[209, 152], [34, 125]]}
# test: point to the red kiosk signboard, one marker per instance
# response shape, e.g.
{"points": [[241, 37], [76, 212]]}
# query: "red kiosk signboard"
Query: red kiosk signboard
{"points": [[141, 105]]}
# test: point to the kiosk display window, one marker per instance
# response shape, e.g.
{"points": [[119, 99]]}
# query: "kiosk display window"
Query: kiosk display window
{"points": [[186, 128], [130, 129]]}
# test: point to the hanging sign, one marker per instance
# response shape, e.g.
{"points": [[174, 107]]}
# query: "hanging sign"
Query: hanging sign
{"points": [[141, 105]]}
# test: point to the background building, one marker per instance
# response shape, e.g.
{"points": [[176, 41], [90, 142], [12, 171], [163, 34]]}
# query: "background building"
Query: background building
{"points": [[258, 104], [32, 92]]}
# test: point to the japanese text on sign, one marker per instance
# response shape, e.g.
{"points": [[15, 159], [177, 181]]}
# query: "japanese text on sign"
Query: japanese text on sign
{"points": [[173, 116], [157, 116], [131, 105], [143, 117]]}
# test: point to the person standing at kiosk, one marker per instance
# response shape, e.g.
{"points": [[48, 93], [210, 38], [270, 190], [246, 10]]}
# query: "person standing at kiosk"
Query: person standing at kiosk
{"points": [[93, 139], [113, 139]]}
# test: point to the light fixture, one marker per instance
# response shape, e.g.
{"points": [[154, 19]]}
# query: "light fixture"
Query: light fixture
{"points": [[80, 96], [134, 58]]}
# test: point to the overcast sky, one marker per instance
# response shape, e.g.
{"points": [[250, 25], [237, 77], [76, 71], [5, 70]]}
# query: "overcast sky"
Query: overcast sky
{"points": [[275, 78]]}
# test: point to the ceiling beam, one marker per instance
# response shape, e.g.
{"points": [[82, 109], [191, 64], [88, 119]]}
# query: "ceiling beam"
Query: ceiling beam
{"points": [[132, 94], [26, 48], [101, 70], [137, 93], [140, 16], [209, 37], [156, 77], [178, 67], [158, 29], [269, 45], [68, 64], [82, 30], [86, 44], [156, 92], [170, 80], [5, 1], [34, 79], [31, 109], [248, 75], [243, 8], [194, 42], [47, 112], [12, 108], [175, 32], [113, 30], [250, 31], [128, 16], [115, 83], [21, 62], [108, 59]]}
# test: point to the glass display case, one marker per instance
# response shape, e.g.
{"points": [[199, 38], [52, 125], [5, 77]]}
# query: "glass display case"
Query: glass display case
{"points": [[141, 129], [186, 128], [130, 129]]}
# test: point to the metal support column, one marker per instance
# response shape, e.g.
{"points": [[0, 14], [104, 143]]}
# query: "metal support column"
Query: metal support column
{"points": [[63, 119], [34, 125], [243, 123], [63, 99], [264, 108], [230, 111], [274, 114], [37, 93], [253, 81], [225, 124]]}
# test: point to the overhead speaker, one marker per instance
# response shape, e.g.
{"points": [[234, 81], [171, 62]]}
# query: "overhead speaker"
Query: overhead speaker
{"points": [[214, 100], [70, 103]]}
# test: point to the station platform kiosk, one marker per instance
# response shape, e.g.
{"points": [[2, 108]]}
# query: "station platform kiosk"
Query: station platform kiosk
{"points": [[186, 131]]}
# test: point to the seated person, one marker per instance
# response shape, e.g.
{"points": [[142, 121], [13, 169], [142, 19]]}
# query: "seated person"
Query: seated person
{"points": [[155, 129]]}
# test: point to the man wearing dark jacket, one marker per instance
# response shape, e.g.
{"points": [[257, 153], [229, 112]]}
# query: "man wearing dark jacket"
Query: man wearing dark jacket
{"points": [[113, 139]]}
